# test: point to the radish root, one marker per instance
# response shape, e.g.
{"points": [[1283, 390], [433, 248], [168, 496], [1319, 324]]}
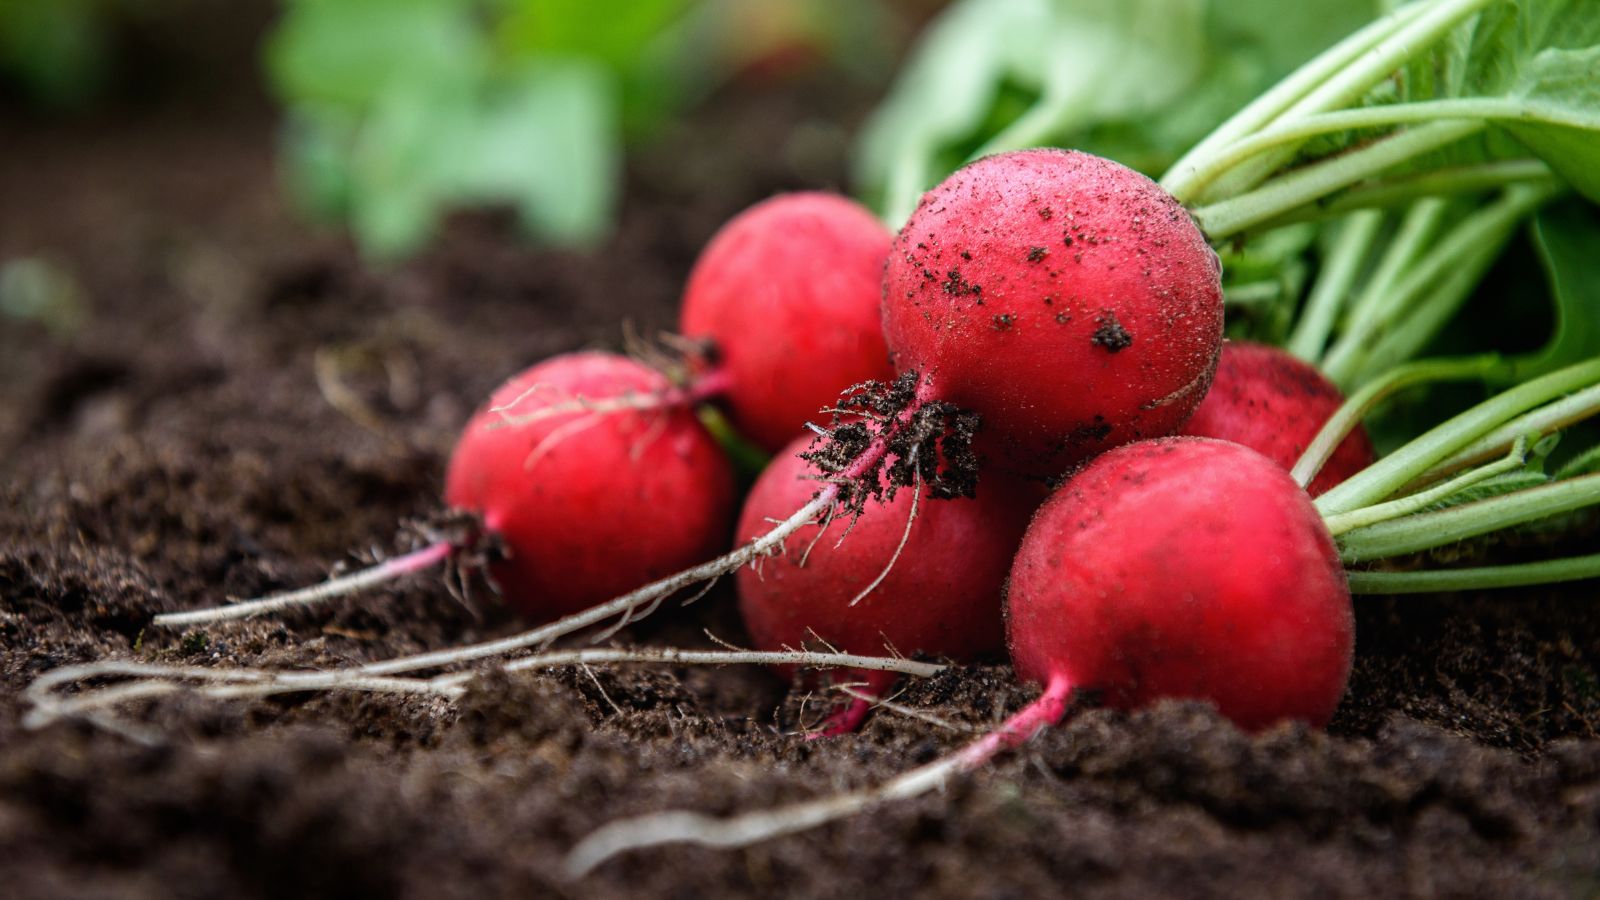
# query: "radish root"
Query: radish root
{"points": [[916, 495], [153, 680], [355, 582], [678, 826], [701, 389], [866, 462]]}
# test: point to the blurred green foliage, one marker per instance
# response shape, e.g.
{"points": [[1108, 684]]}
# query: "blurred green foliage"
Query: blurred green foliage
{"points": [[54, 50], [399, 110], [1138, 81]]}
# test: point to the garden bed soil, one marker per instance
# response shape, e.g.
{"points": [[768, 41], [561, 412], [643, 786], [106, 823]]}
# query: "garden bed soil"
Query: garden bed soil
{"points": [[229, 401]]}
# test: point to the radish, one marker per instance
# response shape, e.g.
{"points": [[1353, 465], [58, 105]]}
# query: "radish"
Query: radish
{"points": [[588, 504], [1275, 403], [584, 484], [911, 573], [1184, 567], [787, 296], [1068, 300]]}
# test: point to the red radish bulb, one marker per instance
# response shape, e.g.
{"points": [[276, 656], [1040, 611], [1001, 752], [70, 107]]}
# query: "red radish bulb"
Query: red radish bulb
{"points": [[587, 504], [941, 596], [1275, 403], [1067, 299], [788, 292], [1184, 567]]}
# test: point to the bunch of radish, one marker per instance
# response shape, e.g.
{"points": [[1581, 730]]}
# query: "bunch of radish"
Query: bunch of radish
{"points": [[1062, 302], [1039, 307]]}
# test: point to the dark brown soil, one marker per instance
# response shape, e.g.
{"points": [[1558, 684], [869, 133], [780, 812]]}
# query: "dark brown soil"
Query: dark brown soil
{"points": [[235, 402]]}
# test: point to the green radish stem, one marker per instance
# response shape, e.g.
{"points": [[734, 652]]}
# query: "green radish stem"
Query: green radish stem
{"points": [[1385, 193], [1299, 131], [1267, 108], [1425, 531], [1400, 289], [1254, 293], [1338, 86], [1422, 500], [1367, 526], [1390, 474], [1419, 27], [1549, 571], [1431, 309], [1363, 401], [1289, 192], [1543, 421], [1339, 273], [1417, 228]]}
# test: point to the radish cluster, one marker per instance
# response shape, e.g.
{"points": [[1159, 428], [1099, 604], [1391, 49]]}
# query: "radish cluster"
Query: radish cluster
{"points": [[1074, 307], [1037, 310]]}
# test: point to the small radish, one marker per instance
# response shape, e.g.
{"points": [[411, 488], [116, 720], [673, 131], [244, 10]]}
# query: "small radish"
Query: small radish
{"points": [[912, 573], [1184, 567], [585, 484], [1068, 300], [589, 504], [787, 294], [1275, 403]]}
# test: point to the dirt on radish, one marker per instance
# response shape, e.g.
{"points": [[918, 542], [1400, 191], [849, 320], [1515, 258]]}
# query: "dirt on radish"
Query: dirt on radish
{"points": [[244, 401]]}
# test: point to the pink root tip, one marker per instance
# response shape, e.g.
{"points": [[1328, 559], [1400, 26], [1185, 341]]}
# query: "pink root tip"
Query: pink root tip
{"points": [[848, 719], [844, 721]]}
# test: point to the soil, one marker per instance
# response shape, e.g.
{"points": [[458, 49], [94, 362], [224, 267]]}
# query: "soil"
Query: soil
{"points": [[227, 401]]}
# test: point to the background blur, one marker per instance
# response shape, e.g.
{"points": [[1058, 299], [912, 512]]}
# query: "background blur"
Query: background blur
{"points": [[385, 115]]}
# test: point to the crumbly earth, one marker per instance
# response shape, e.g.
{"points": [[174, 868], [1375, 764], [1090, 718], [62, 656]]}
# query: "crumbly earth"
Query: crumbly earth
{"points": [[230, 401]]}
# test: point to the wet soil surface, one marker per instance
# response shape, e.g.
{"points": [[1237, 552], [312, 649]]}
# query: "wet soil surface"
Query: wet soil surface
{"points": [[227, 402]]}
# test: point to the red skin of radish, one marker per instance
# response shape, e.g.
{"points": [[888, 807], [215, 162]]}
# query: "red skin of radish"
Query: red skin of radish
{"points": [[1184, 567], [942, 597], [789, 292], [1067, 299], [635, 496], [1275, 403]]}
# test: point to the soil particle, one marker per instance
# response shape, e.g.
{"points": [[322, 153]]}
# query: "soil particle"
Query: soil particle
{"points": [[1109, 334], [957, 286]]}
